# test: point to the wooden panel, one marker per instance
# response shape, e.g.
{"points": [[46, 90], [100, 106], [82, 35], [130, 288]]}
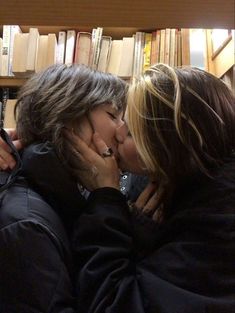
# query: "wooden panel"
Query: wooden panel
{"points": [[11, 81], [224, 60], [120, 13]]}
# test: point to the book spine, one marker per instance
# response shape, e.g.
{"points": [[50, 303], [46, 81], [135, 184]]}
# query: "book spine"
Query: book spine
{"points": [[70, 46], [5, 49], [14, 29], [61, 47]]}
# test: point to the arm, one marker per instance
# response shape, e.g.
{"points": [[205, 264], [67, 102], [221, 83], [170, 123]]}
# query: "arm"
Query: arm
{"points": [[108, 280], [6, 159], [33, 273]]}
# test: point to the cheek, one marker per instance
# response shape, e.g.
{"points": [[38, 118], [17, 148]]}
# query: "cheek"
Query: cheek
{"points": [[128, 153], [106, 129], [84, 131]]}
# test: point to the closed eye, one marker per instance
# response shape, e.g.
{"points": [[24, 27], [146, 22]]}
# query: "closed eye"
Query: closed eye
{"points": [[112, 115]]}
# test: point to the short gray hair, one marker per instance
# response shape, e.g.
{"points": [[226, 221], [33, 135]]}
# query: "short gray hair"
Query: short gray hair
{"points": [[62, 94]]}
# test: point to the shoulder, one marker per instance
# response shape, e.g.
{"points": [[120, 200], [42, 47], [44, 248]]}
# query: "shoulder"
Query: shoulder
{"points": [[21, 206]]}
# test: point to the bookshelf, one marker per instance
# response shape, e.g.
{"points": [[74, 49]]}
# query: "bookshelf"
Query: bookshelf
{"points": [[139, 14], [119, 18]]}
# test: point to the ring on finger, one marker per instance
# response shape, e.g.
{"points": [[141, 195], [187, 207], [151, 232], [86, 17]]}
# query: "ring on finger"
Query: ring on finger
{"points": [[107, 153]]}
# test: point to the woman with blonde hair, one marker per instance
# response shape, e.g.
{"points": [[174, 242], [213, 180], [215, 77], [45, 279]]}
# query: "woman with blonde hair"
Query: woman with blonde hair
{"points": [[177, 254]]}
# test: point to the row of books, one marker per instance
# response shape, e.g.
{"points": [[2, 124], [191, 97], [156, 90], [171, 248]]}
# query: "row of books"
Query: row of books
{"points": [[22, 54], [7, 106]]}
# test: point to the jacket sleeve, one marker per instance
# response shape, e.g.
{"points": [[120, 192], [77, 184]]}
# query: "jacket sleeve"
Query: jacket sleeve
{"points": [[33, 274], [104, 246]]}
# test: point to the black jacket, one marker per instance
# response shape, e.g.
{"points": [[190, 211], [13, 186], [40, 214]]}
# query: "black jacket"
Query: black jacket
{"points": [[187, 264], [36, 214]]}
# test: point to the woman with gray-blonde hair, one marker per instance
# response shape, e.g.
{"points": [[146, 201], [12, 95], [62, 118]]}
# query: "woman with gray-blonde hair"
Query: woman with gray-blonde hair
{"points": [[180, 130], [41, 195]]}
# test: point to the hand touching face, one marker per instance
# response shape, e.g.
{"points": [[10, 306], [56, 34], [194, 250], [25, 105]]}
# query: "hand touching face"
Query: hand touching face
{"points": [[104, 119]]}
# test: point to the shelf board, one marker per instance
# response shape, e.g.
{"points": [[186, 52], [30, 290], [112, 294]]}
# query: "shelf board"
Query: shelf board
{"points": [[11, 81], [139, 14]]}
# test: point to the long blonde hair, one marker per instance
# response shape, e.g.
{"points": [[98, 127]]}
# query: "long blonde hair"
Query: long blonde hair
{"points": [[183, 123]]}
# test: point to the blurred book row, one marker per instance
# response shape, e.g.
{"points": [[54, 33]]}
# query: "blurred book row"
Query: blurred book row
{"points": [[22, 54]]}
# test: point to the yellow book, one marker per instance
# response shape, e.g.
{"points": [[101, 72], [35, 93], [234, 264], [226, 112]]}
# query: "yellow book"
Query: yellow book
{"points": [[147, 50]]}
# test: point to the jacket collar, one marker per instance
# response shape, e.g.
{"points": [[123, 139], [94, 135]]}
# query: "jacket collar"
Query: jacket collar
{"points": [[47, 175]]}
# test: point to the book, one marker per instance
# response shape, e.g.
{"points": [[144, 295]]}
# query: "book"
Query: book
{"points": [[172, 47], [83, 48], [167, 46], [96, 44], [138, 54], [105, 48], [19, 58], [179, 48], [14, 29], [127, 57], [33, 39], [162, 46], [60, 54], [41, 57], [153, 48], [9, 118], [0, 56], [185, 46], [147, 50], [6, 37], [70, 46], [51, 50], [4, 96], [115, 57]]}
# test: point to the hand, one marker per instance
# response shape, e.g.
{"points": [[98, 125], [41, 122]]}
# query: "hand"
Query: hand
{"points": [[6, 159], [96, 171], [148, 199]]}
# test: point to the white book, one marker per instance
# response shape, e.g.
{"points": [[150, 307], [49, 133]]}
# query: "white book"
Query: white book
{"points": [[32, 50], [51, 50], [127, 57], [0, 55], [105, 49], [83, 48], [61, 47], [5, 49], [115, 57], [70, 45], [19, 58], [41, 57], [96, 47], [14, 29]]}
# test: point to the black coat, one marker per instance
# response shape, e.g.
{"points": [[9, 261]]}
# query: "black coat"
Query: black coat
{"points": [[36, 213], [185, 265]]}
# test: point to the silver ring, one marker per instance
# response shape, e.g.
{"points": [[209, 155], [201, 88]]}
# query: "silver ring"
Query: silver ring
{"points": [[107, 153]]}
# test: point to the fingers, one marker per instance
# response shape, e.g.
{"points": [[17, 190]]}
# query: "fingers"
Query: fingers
{"points": [[12, 133], [6, 159], [99, 143], [18, 144], [151, 204], [145, 195]]}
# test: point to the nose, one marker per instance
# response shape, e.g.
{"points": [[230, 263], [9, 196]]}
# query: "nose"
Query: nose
{"points": [[121, 133]]}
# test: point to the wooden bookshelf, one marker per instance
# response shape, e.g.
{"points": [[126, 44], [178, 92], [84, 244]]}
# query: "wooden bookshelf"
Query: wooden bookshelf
{"points": [[11, 81], [139, 14], [119, 18]]}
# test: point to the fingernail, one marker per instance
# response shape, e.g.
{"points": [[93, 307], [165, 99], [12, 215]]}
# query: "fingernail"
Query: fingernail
{"points": [[4, 166], [12, 165]]}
